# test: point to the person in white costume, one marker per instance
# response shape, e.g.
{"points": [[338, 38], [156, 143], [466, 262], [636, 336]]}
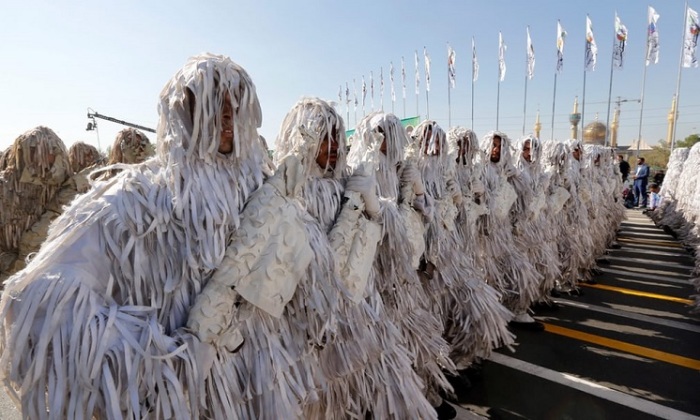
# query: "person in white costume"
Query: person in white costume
{"points": [[533, 217], [403, 204], [95, 325], [506, 267], [367, 368]]}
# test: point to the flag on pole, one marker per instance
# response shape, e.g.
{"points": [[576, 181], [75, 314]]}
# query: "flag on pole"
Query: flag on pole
{"points": [[690, 39], [364, 91], [501, 58], [620, 42], [591, 47], [381, 84], [391, 79], [451, 72], [561, 34], [417, 73], [354, 89], [347, 93], [530, 56], [403, 77], [340, 95], [475, 62], [371, 87], [652, 38], [426, 60]]}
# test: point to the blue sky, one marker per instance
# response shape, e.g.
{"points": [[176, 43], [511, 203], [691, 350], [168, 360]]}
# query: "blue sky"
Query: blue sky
{"points": [[60, 57]]}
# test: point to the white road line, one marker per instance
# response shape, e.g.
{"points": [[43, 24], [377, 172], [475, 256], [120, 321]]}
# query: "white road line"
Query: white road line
{"points": [[635, 274], [631, 315], [592, 388], [661, 264]]}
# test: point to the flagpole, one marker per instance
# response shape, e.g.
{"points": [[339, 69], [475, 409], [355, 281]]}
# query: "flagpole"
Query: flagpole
{"points": [[449, 94], [525, 104], [527, 70], [641, 97], [472, 98], [612, 65], [554, 101], [678, 82], [427, 103], [498, 101]]}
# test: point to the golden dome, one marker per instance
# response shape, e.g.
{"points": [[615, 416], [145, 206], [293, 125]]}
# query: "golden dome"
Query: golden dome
{"points": [[594, 133]]}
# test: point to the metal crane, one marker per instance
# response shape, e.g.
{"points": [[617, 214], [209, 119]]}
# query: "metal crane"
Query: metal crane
{"points": [[92, 124]]}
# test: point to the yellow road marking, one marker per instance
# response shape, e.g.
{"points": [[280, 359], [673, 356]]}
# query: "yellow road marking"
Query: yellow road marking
{"points": [[638, 293], [668, 244], [626, 347]]}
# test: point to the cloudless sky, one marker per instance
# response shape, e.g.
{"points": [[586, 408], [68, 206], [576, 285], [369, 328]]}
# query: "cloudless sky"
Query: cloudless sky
{"points": [[60, 57]]}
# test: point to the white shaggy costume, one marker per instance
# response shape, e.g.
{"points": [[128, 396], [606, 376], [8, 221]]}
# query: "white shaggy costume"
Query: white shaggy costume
{"points": [[93, 327], [488, 318], [533, 216], [507, 267], [397, 281], [667, 214], [366, 367]]}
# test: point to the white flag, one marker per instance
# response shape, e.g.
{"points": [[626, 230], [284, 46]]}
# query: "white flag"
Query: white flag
{"points": [[391, 78], [364, 92], [652, 38], [591, 47], [451, 71], [371, 88], [403, 77], [475, 62], [561, 34], [416, 62], [426, 60], [530, 56], [381, 86], [347, 93], [354, 92], [340, 95], [501, 58], [620, 43], [690, 39]]}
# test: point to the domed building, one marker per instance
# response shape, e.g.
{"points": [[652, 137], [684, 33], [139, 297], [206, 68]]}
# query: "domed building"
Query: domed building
{"points": [[594, 133]]}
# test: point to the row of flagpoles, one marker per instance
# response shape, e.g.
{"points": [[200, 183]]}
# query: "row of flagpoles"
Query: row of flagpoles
{"points": [[688, 59]]}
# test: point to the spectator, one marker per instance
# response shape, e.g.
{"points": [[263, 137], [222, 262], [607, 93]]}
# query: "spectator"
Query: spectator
{"points": [[654, 198], [659, 177], [624, 167], [640, 183]]}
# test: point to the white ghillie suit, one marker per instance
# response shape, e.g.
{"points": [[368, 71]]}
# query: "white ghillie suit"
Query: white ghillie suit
{"points": [[397, 281], [506, 267], [688, 203], [94, 326], [82, 159], [31, 173], [575, 242], [488, 318], [533, 216], [277, 290], [667, 213], [606, 211], [366, 367]]}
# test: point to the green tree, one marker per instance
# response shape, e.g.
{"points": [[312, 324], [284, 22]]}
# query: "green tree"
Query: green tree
{"points": [[688, 141]]}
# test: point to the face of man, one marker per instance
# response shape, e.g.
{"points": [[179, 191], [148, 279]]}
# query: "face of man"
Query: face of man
{"points": [[639, 161], [426, 146], [463, 145], [496, 149], [576, 153], [383, 147], [527, 155], [328, 151], [226, 138]]}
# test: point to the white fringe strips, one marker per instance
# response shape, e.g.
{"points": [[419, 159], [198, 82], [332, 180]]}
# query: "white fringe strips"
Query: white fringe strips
{"points": [[94, 326], [366, 367]]}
